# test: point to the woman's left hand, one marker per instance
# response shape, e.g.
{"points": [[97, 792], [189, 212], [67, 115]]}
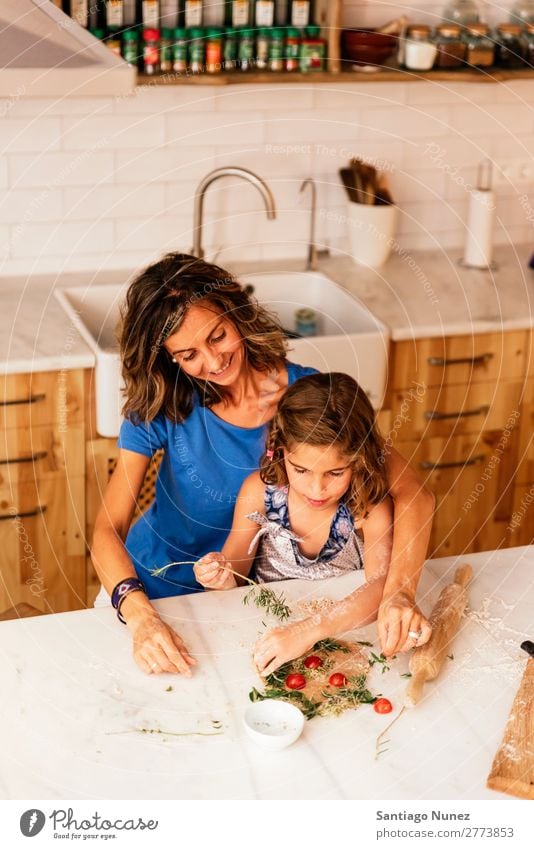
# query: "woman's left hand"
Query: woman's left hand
{"points": [[399, 620], [279, 645]]}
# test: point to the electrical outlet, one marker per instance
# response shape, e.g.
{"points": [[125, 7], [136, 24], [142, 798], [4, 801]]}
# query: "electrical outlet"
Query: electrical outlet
{"points": [[513, 173]]}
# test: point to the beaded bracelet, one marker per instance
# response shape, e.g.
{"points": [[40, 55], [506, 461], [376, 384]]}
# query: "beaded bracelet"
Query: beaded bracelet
{"points": [[123, 589]]}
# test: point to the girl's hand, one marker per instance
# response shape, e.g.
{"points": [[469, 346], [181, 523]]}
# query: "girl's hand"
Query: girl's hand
{"points": [[398, 614], [210, 572], [279, 645], [157, 648]]}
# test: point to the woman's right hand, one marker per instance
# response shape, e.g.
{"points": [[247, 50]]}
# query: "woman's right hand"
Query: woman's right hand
{"points": [[210, 571], [157, 648]]}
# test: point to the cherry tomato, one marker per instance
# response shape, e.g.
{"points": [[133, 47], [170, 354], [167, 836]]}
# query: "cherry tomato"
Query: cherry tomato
{"points": [[295, 681], [337, 680], [313, 662], [383, 706]]}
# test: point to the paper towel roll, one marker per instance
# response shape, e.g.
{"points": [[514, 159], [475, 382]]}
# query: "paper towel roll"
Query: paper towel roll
{"points": [[479, 239]]}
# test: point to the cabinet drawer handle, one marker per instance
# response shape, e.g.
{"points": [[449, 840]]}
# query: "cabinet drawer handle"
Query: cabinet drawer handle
{"points": [[33, 399], [435, 415], [39, 455], [4, 517], [481, 360], [473, 461]]}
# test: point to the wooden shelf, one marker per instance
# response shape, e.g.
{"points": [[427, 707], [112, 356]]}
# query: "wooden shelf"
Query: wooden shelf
{"points": [[381, 75]]}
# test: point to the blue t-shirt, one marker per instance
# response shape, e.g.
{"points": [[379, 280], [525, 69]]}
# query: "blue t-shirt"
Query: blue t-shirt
{"points": [[205, 463]]}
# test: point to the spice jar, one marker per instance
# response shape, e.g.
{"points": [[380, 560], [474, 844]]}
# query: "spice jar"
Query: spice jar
{"points": [[196, 49], [312, 54], [245, 52], [451, 48], [151, 51], [230, 49], [291, 62], [262, 49], [130, 46], [179, 50], [463, 12], [214, 58], [480, 49], [528, 43], [276, 50], [165, 51], [113, 43], [419, 49], [510, 49]]}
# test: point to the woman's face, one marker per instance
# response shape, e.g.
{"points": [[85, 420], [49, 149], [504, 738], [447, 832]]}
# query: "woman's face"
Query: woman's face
{"points": [[207, 346]]}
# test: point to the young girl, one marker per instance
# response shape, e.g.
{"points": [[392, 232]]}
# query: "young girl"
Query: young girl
{"points": [[317, 508]]}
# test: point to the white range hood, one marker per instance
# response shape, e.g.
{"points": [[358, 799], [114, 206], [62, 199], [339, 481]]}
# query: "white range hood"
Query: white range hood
{"points": [[44, 53]]}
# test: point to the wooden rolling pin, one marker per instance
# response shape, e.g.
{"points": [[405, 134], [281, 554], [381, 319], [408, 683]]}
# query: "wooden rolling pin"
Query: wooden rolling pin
{"points": [[426, 661], [513, 768]]}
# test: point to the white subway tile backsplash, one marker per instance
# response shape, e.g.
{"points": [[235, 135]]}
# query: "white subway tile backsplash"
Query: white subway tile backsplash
{"points": [[113, 201], [62, 239], [163, 165], [110, 181], [189, 129], [115, 131], [31, 205], [60, 169], [29, 134]]}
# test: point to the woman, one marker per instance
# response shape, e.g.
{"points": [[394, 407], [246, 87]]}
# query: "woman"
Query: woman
{"points": [[204, 367]]}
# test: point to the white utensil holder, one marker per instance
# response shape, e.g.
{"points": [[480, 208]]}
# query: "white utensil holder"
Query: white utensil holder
{"points": [[371, 232]]}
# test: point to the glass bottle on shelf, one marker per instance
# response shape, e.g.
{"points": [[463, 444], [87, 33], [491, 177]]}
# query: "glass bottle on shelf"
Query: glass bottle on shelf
{"points": [[510, 50], [147, 13], [451, 48], [480, 46], [461, 12], [190, 13], [522, 12], [114, 15], [419, 49], [300, 13], [79, 12], [264, 13], [238, 13]]}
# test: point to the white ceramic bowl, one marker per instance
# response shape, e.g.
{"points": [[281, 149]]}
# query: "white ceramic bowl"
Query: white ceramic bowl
{"points": [[273, 724]]}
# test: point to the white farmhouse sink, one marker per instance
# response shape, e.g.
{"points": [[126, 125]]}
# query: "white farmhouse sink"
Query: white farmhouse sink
{"points": [[349, 338]]}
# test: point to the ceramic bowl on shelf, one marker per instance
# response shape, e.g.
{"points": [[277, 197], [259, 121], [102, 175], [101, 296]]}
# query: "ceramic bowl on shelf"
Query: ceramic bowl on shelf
{"points": [[367, 46], [273, 724]]}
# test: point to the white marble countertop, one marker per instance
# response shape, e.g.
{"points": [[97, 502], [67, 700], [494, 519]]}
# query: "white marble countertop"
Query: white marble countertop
{"points": [[415, 295], [72, 697]]}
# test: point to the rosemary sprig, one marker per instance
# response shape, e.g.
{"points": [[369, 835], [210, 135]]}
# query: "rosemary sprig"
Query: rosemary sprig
{"points": [[329, 645], [365, 643], [381, 660], [262, 596], [380, 743], [308, 708]]}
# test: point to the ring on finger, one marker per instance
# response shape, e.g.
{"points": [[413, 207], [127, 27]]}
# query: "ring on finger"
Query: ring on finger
{"points": [[415, 635]]}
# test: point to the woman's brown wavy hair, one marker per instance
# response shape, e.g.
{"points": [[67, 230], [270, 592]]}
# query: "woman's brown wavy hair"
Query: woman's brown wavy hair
{"points": [[330, 409], [156, 304]]}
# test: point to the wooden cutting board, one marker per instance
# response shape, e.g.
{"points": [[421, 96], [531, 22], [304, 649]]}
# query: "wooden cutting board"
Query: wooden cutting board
{"points": [[513, 767]]}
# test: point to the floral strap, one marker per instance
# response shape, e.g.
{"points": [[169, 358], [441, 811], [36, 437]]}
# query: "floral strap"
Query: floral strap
{"points": [[268, 527]]}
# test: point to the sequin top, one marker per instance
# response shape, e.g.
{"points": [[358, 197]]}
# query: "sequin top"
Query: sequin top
{"points": [[279, 557]]}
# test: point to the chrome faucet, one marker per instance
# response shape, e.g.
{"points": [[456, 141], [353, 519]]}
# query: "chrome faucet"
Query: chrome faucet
{"points": [[205, 183], [312, 264]]}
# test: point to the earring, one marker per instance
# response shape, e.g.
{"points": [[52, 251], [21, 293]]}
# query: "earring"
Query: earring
{"points": [[174, 359]]}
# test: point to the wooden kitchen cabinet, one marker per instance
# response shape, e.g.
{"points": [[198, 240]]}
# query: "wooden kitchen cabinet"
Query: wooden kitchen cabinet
{"points": [[458, 415], [42, 491]]}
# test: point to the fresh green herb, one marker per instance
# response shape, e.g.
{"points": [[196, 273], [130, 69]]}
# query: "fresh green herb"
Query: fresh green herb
{"points": [[169, 689], [365, 643], [335, 702], [261, 595], [268, 600], [450, 656], [278, 677], [308, 708], [406, 675], [381, 660], [329, 645]]}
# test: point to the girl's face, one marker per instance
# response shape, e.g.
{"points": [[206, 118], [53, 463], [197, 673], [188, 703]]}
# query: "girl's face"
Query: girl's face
{"points": [[319, 474], [207, 346]]}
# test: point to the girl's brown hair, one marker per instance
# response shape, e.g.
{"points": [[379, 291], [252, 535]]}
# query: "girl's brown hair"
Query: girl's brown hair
{"points": [[329, 409], [156, 304]]}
